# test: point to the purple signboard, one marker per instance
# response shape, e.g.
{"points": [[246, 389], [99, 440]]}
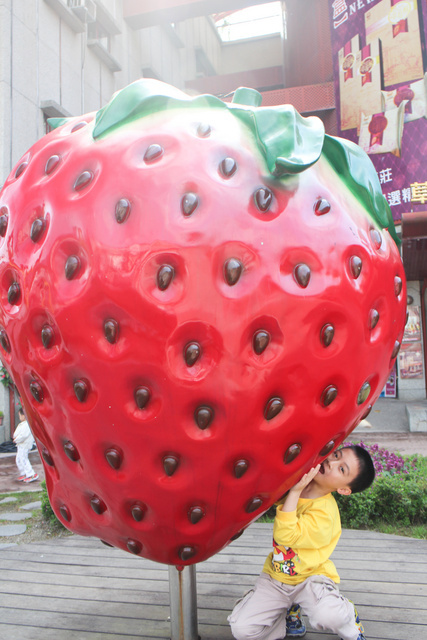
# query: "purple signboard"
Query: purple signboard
{"points": [[379, 61]]}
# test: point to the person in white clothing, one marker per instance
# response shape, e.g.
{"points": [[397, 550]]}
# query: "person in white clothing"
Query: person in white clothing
{"points": [[24, 440]]}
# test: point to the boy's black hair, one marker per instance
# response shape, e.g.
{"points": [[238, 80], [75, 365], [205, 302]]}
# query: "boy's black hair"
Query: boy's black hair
{"points": [[366, 474]]}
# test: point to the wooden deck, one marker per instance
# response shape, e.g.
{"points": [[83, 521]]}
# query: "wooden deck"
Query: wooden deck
{"points": [[76, 588]]}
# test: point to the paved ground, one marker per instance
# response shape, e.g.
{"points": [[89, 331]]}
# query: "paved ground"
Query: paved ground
{"points": [[9, 473], [388, 425]]}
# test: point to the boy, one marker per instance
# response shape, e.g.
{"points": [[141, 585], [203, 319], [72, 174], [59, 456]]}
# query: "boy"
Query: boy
{"points": [[306, 530], [23, 438]]}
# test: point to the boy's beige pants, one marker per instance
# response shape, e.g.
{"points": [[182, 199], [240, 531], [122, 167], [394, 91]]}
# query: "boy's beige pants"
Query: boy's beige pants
{"points": [[261, 613]]}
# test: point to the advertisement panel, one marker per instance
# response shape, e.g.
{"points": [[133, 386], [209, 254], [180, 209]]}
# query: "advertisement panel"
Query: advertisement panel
{"points": [[412, 331], [379, 62], [411, 357], [411, 361]]}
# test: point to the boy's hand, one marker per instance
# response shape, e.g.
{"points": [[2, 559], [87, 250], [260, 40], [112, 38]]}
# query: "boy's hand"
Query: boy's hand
{"points": [[306, 479], [293, 496]]}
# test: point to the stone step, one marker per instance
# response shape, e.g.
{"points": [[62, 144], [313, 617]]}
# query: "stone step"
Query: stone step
{"points": [[7, 530], [32, 505], [15, 517], [8, 499]]}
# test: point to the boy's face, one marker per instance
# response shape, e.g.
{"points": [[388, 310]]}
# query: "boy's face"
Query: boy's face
{"points": [[338, 471]]}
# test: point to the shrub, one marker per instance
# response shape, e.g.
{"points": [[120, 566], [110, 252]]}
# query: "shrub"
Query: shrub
{"points": [[398, 496], [47, 511]]}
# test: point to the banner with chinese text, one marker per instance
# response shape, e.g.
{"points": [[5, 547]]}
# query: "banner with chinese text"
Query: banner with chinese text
{"points": [[380, 80]]}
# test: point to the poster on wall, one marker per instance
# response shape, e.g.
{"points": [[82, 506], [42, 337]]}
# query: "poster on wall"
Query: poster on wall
{"points": [[411, 361], [413, 326], [379, 58], [390, 387]]}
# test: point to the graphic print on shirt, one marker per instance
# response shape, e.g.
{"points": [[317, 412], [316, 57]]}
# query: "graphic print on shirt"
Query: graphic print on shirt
{"points": [[282, 559]]}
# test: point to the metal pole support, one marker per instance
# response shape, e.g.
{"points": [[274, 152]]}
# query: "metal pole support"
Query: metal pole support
{"points": [[183, 603]]}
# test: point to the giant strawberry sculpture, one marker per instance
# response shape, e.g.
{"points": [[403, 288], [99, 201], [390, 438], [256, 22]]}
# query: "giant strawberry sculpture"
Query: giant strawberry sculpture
{"points": [[199, 301]]}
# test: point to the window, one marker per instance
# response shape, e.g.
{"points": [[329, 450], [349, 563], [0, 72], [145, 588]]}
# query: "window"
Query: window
{"points": [[252, 22]]}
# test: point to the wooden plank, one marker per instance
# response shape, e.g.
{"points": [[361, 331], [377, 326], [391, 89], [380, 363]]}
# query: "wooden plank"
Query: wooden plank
{"points": [[231, 592], [157, 626], [113, 613], [391, 614], [156, 611], [417, 563], [120, 626], [20, 632], [392, 631], [364, 575], [34, 633], [389, 588], [412, 600], [157, 629], [119, 558], [352, 547], [77, 592], [95, 576], [76, 580]]}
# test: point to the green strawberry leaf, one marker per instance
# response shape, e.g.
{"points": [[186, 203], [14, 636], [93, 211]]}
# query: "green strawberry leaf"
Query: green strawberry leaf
{"points": [[141, 98], [289, 142], [358, 173], [54, 123]]}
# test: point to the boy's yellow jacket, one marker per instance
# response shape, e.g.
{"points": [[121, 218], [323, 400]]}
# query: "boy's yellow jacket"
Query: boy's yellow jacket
{"points": [[303, 541]]}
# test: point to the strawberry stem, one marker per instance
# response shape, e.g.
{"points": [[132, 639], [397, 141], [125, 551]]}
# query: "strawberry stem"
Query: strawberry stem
{"points": [[248, 97]]}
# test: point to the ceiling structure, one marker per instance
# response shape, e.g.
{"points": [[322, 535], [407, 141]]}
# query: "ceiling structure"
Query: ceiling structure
{"points": [[148, 13], [306, 83]]}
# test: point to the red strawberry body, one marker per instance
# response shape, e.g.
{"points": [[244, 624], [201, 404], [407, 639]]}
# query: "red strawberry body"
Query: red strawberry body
{"points": [[188, 332]]}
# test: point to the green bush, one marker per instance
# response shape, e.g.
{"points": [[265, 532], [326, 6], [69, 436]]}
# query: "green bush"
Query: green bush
{"points": [[47, 511], [398, 496]]}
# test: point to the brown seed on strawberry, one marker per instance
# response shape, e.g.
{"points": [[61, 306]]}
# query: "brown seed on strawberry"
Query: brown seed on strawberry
{"points": [[329, 446], [37, 229], [261, 341], [291, 453], [122, 210], [47, 336], [204, 417], [71, 451]]}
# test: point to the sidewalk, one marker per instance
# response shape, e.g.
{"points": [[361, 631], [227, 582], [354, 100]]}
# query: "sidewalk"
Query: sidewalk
{"points": [[388, 426], [9, 473]]}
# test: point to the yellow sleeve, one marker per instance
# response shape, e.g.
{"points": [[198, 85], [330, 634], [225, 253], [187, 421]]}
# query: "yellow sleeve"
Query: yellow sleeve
{"points": [[313, 529]]}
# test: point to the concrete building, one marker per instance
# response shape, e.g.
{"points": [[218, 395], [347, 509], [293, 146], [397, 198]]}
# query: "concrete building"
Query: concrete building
{"points": [[62, 57], [67, 57]]}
